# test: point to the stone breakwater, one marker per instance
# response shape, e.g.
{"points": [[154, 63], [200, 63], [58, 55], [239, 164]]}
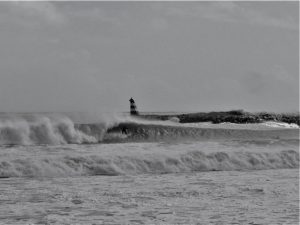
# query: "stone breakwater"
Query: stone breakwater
{"points": [[233, 116]]}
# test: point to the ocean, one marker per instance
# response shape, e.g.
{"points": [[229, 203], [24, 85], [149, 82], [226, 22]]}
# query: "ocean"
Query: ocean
{"points": [[117, 169]]}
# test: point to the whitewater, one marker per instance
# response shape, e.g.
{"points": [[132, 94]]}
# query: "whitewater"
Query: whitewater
{"points": [[117, 169]]}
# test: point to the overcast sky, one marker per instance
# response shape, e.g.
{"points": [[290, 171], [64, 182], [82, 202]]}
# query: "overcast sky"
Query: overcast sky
{"points": [[171, 56]]}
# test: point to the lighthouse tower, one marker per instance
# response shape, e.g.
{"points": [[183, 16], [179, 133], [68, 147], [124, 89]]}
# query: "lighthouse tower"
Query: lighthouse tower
{"points": [[133, 109]]}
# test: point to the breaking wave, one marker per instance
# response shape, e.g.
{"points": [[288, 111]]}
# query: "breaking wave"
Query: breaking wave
{"points": [[280, 124], [55, 130], [146, 164], [41, 130]]}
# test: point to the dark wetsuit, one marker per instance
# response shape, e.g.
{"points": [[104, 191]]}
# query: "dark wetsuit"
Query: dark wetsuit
{"points": [[124, 130]]}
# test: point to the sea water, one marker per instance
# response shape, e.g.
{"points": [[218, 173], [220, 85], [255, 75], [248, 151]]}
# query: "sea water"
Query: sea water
{"points": [[55, 169]]}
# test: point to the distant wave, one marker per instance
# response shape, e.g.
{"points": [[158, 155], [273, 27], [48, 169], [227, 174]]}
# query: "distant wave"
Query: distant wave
{"points": [[82, 165], [55, 130], [156, 132]]}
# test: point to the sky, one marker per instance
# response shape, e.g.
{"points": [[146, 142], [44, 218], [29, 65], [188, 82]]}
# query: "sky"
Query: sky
{"points": [[168, 56]]}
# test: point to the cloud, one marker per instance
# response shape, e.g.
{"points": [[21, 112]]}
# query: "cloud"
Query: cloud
{"points": [[159, 23], [94, 14], [44, 10], [273, 89], [277, 80], [232, 12]]}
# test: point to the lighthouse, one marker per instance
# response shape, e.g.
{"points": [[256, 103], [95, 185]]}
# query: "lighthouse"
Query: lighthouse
{"points": [[133, 109]]}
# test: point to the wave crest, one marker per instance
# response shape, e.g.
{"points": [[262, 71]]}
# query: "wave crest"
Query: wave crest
{"points": [[147, 164], [41, 130]]}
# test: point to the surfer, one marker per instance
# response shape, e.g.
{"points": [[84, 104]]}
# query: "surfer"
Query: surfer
{"points": [[124, 130]]}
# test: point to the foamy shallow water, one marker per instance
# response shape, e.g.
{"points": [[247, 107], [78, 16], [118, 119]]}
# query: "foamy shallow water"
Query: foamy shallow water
{"points": [[222, 197], [66, 184]]}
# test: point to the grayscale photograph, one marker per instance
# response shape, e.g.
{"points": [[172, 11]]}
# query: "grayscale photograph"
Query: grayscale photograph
{"points": [[149, 112]]}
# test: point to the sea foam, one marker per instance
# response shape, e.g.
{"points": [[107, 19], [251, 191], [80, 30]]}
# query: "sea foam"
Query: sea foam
{"points": [[143, 163]]}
